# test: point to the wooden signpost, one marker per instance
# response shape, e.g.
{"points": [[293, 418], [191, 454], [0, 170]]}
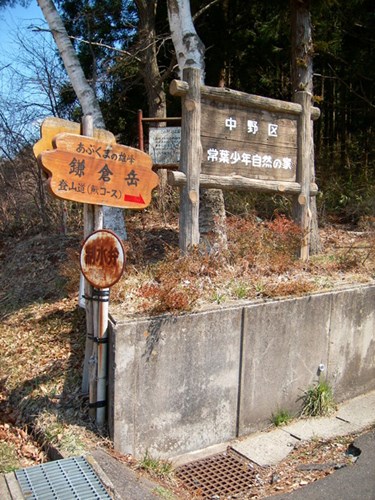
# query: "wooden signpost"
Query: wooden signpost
{"points": [[252, 143], [95, 171], [92, 171], [245, 142]]}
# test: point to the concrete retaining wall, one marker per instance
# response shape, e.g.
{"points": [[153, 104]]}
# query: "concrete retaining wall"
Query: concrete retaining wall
{"points": [[178, 384]]}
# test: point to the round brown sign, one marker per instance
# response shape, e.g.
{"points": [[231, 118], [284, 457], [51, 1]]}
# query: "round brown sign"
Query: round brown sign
{"points": [[102, 258]]}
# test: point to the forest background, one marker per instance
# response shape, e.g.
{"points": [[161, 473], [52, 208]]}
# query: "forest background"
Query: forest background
{"points": [[248, 48]]}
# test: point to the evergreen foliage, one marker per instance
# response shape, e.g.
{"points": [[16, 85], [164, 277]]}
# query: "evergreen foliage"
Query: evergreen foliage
{"points": [[248, 48]]}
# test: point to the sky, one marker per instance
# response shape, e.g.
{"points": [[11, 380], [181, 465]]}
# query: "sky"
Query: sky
{"points": [[15, 21], [15, 18]]}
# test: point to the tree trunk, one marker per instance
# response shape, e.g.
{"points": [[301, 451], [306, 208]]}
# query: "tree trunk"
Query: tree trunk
{"points": [[302, 79], [190, 54], [153, 80], [113, 218]]}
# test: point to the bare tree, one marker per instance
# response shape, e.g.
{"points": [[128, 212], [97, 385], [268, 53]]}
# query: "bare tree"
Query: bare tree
{"points": [[113, 218], [150, 70], [26, 97]]}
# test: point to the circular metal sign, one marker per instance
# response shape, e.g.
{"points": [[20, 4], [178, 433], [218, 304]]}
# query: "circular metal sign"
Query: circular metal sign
{"points": [[102, 258]]}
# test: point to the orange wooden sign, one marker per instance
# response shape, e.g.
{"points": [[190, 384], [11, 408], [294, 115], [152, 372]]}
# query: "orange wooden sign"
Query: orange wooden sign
{"points": [[51, 126], [88, 170]]}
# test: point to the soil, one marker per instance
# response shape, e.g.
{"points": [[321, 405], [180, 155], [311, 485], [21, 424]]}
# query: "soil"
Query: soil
{"points": [[40, 369]]}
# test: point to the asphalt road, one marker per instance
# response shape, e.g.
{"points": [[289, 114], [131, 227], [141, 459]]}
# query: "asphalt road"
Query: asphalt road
{"points": [[355, 482]]}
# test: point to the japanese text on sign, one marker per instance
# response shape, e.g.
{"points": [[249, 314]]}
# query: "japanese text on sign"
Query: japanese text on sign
{"points": [[253, 143], [104, 153], [252, 126], [97, 255], [90, 171], [248, 159], [102, 258]]}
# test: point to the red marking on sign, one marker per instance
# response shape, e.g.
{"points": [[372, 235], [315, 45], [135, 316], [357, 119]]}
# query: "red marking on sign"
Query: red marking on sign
{"points": [[134, 199]]}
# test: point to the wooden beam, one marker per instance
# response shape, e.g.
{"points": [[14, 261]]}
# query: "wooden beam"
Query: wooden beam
{"points": [[229, 96], [239, 183], [165, 119]]}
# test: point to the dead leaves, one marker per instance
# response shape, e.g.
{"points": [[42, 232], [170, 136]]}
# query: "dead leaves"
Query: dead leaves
{"points": [[27, 450]]}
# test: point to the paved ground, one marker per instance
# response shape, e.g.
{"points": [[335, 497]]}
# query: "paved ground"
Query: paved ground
{"points": [[268, 448], [122, 482], [264, 448], [348, 483]]}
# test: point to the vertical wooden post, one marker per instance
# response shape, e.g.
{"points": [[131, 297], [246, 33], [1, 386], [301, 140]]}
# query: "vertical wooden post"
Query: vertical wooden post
{"points": [[304, 144], [88, 227], [190, 160]]}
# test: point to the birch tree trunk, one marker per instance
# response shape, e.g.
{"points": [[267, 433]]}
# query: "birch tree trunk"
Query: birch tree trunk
{"points": [[190, 54], [302, 79], [113, 218]]}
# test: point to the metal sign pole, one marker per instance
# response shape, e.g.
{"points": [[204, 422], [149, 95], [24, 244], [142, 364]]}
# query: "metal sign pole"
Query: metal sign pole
{"points": [[102, 263], [101, 298]]}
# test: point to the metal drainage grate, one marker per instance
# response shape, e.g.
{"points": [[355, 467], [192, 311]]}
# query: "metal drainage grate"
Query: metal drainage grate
{"points": [[218, 476], [70, 478]]}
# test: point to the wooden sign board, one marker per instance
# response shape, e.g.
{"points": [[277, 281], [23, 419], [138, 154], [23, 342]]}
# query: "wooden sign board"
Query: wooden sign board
{"points": [[102, 258], [250, 142], [90, 171], [52, 126]]}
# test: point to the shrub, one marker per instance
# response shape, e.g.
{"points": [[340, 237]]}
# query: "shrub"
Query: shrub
{"points": [[318, 400]]}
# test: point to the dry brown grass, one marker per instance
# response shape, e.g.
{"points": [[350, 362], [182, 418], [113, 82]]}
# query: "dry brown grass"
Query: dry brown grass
{"points": [[259, 263]]}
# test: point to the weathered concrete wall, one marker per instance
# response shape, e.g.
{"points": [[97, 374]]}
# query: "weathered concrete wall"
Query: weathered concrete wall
{"points": [[175, 382], [351, 354], [284, 343], [179, 384]]}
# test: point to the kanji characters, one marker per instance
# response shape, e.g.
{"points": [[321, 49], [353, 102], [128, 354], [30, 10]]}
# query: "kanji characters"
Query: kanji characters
{"points": [[132, 179], [255, 160], [252, 126], [105, 174], [77, 167], [98, 255]]}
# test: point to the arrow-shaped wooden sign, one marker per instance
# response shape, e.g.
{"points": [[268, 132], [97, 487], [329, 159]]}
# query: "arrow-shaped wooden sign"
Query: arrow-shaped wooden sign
{"points": [[51, 126], [88, 170]]}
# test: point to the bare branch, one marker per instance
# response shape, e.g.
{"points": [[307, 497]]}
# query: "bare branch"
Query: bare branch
{"points": [[97, 44], [204, 9]]}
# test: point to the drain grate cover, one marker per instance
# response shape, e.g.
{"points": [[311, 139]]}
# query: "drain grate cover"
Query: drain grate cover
{"points": [[218, 476], [70, 478]]}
